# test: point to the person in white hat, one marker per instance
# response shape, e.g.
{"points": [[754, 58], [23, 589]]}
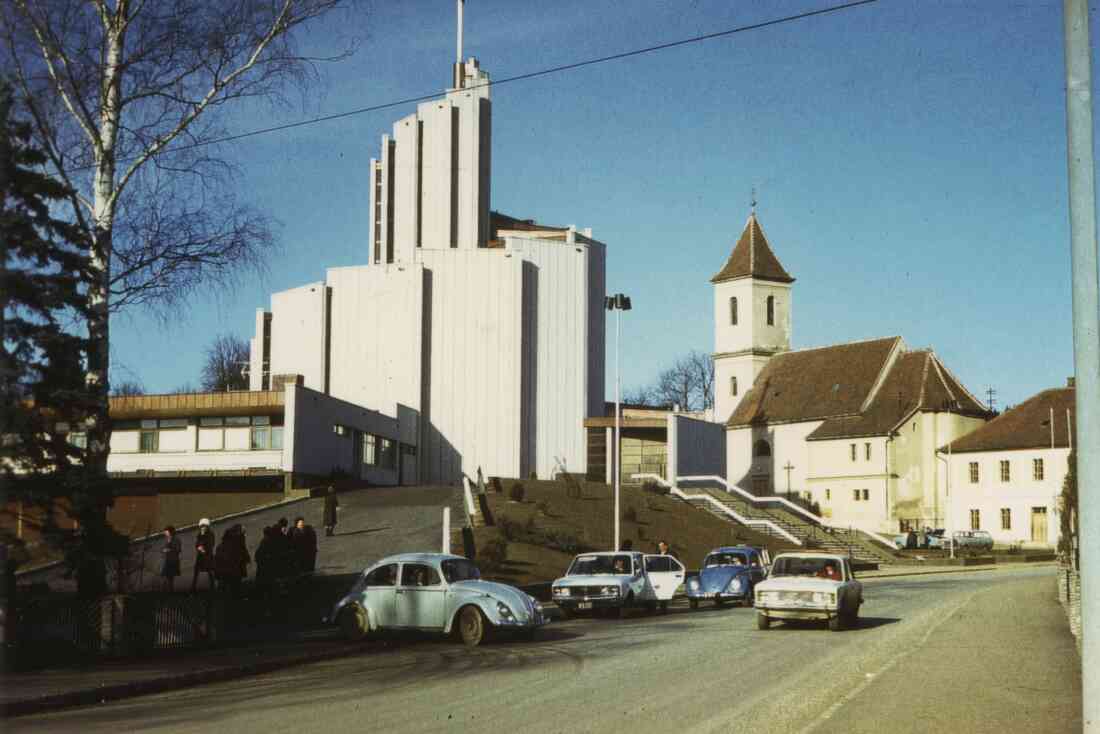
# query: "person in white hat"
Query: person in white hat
{"points": [[204, 554]]}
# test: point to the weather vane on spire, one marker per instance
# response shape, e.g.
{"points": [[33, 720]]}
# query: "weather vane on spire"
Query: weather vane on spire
{"points": [[752, 201]]}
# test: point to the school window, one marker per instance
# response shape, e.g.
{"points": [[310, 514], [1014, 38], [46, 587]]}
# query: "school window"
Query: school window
{"points": [[867, 451], [866, 494], [261, 437], [733, 312], [1006, 518], [148, 444], [1037, 469], [733, 386], [1005, 474], [771, 310], [973, 472], [388, 453], [852, 451], [370, 449], [975, 520]]}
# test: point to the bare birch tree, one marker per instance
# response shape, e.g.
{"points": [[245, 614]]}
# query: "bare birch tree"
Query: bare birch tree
{"points": [[126, 98], [689, 383]]}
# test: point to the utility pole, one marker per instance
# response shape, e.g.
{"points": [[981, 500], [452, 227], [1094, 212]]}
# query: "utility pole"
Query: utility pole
{"points": [[992, 398], [1086, 339], [617, 303]]}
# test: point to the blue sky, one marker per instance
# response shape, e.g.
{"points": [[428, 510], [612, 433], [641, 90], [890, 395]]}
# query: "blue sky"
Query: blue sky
{"points": [[908, 156]]}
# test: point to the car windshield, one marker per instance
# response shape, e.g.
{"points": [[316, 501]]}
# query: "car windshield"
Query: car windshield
{"points": [[597, 565], [459, 569], [828, 568], [726, 559]]}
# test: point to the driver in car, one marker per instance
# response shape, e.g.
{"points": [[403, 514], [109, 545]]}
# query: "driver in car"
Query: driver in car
{"points": [[829, 572]]}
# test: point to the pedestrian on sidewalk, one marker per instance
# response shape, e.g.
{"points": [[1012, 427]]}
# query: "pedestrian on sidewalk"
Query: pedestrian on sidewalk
{"points": [[304, 540], [204, 554], [232, 559], [170, 557], [331, 507]]}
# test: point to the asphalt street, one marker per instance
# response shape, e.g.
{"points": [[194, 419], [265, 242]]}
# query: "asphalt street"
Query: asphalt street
{"points": [[972, 652]]}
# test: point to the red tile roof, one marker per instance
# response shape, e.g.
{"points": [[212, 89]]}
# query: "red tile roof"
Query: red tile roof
{"points": [[1027, 426], [752, 257], [917, 381], [811, 384]]}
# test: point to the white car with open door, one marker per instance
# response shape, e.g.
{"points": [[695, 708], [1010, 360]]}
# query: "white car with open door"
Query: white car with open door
{"points": [[615, 582]]}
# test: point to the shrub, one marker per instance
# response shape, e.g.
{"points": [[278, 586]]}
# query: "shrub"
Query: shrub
{"points": [[529, 526], [563, 541], [494, 553], [654, 487], [495, 485], [630, 514], [517, 493], [572, 488]]}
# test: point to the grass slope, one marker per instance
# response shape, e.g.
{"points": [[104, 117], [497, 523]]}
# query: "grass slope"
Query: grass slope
{"points": [[540, 530]]}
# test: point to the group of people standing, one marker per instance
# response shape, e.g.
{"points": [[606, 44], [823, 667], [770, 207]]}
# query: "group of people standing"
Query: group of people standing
{"points": [[283, 552]]}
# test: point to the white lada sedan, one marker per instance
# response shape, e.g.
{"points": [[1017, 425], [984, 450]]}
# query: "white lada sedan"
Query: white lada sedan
{"points": [[809, 586], [614, 582]]}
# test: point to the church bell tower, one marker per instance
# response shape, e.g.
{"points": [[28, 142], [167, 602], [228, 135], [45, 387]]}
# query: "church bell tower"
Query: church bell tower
{"points": [[752, 316]]}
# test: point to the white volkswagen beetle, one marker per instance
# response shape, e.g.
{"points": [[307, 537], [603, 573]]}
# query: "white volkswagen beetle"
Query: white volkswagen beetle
{"points": [[809, 586], [434, 592]]}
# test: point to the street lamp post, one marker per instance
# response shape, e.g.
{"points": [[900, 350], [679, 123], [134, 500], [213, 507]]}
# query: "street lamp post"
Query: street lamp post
{"points": [[617, 303]]}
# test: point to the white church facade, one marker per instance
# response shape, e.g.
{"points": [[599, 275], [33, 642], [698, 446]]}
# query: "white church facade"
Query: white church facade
{"points": [[852, 427], [481, 335]]}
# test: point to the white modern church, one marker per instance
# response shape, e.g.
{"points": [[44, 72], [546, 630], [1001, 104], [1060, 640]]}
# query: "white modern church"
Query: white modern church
{"points": [[481, 334]]}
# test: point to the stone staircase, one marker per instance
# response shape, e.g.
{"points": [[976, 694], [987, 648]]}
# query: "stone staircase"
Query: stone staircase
{"points": [[854, 543]]}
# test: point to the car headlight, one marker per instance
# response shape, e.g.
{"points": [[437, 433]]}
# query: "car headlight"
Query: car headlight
{"points": [[610, 591], [824, 597], [505, 611], [693, 584], [766, 596], [735, 584], [561, 591]]}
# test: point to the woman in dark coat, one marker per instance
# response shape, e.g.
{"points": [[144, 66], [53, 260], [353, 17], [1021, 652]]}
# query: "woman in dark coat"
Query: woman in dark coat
{"points": [[231, 560], [304, 540], [170, 558], [204, 554], [331, 503]]}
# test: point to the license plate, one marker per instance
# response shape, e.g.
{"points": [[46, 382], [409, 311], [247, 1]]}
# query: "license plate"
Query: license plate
{"points": [[709, 596], [584, 605]]}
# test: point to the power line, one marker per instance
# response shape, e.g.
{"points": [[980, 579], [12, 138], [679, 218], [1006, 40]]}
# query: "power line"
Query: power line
{"points": [[520, 77]]}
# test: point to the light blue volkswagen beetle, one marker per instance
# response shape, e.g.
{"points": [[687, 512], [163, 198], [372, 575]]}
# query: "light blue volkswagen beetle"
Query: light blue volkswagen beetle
{"points": [[434, 592]]}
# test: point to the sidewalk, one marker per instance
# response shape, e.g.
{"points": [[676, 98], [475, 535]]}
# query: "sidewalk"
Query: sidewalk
{"points": [[47, 690]]}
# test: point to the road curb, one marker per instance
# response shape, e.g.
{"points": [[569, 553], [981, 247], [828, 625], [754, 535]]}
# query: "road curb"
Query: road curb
{"points": [[960, 569], [103, 694]]}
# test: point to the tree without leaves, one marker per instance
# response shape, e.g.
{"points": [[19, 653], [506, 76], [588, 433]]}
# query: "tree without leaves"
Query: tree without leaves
{"points": [[112, 90], [223, 369], [126, 389], [689, 383]]}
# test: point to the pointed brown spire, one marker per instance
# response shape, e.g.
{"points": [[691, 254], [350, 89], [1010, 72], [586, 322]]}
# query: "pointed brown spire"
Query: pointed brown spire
{"points": [[752, 257]]}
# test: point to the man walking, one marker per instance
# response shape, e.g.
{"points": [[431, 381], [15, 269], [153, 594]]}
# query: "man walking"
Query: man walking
{"points": [[331, 506], [204, 554]]}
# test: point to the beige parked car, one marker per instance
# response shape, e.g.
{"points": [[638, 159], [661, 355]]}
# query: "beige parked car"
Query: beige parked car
{"points": [[809, 586]]}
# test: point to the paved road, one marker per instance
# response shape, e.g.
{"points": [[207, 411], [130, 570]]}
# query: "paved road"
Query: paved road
{"points": [[963, 652]]}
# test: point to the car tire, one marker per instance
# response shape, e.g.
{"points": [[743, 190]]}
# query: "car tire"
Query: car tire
{"points": [[473, 628], [352, 621], [566, 613], [527, 635], [718, 602], [693, 603], [621, 611], [763, 621], [750, 598], [651, 607], [835, 624], [664, 607]]}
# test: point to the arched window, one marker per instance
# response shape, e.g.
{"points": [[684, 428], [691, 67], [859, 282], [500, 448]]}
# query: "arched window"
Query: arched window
{"points": [[762, 448], [733, 385], [771, 310], [733, 311]]}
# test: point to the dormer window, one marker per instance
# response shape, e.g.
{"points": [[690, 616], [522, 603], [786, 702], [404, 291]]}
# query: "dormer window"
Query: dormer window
{"points": [[733, 312], [771, 310]]}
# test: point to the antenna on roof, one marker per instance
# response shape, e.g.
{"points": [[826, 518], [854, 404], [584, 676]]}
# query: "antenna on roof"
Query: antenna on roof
{"points": [[458, 72]]}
